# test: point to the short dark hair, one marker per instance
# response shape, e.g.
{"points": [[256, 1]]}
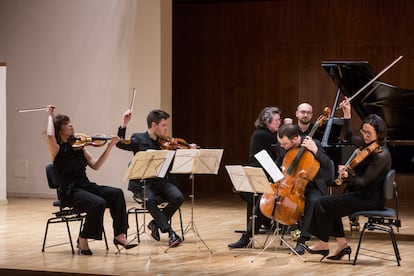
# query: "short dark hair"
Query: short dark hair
{"points": [[379, 125], [156, 116], [58, 121], [289, 130]]}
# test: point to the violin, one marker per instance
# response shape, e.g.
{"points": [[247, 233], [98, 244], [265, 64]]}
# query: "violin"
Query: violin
{"points": [[287, 202], [80, 140], [356, 158], [169, 143]]}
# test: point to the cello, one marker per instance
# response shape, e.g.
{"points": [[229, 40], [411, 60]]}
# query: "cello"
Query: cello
{"points": [[287, 202]]}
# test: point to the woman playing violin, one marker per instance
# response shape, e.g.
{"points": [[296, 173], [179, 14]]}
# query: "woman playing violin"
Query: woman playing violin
{"points": [[157, 190], [77, 191], [366, 180]]}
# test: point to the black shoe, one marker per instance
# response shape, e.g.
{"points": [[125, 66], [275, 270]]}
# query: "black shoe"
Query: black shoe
{"points": [[323, 252], [242, 243], [126, 246], [299, 249], [155, 234], [175, 240], [86, 252], [346, 251]]}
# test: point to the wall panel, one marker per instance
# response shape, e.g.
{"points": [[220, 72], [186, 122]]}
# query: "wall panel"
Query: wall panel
{"points": [[232, 58]]}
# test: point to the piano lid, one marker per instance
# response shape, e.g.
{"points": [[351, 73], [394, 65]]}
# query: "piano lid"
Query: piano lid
{"points": [[395, 105]]}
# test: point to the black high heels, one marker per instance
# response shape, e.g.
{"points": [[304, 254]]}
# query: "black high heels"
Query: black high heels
{"points": [[323, 252], [346, 251], [126, 246], [86, 252]]}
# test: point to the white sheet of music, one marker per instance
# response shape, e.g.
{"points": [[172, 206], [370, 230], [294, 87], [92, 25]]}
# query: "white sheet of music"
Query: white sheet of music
{"points": [[248, 179], [269, 165]]}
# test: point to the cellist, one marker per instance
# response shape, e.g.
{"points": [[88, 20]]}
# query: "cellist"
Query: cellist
{"points": [[289, 138]]}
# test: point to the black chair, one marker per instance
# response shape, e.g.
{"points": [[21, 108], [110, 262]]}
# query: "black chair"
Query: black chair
{"points": [[383, 220], [64, 214], [141, 210]]}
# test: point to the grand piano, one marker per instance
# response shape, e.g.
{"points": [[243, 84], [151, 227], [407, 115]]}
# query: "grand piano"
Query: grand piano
{"points": [[395, 105]]}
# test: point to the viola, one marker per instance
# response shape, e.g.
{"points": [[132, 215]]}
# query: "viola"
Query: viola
{"points": [[170, 143], [356, 158], [80, 140], [287, 202]]}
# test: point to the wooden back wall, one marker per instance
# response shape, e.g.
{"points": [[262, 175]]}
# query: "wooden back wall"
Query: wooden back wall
{"points": [[233, 58]]}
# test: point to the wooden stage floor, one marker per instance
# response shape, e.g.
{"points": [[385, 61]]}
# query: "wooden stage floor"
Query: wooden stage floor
{"points": [[22, 225]]}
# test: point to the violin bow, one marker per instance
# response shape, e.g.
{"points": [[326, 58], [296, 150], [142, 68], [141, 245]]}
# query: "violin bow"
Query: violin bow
{"points": [[32, 109], [371, 81], [131, 107]]}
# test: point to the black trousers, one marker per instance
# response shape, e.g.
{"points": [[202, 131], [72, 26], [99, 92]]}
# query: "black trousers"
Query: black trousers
{"points": [[157, 193], [329, 210], [93, 200], [312, 196]]}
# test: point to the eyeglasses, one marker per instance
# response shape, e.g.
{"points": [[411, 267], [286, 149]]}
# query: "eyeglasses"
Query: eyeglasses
{"points": [[305, 112], [365, 132]]}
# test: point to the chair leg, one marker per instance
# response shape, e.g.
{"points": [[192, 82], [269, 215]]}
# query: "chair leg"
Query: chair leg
{"points": [[181, 223], [70, 236], [137, 225], [106, 241], [44, 239], [394, 244], [360, 241]]}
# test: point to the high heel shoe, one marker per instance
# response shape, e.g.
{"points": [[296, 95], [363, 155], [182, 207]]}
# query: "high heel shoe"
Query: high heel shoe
{"points": [[346, 251], [86, 252], [126, 246], [323, 252]]}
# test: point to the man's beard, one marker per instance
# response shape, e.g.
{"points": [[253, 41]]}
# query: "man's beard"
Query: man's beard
{"points": [[305, 122]]}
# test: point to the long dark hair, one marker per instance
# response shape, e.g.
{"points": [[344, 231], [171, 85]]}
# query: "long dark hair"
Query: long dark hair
{"points": [[379, 125]]}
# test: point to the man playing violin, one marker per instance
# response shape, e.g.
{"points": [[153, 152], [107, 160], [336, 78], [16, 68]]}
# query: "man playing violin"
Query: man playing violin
{"points": [[366, 180], [157, 190]]}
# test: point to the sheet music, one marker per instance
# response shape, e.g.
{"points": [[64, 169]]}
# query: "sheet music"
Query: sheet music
{"points": [[248, 179], [197, 161], [149, 164], [238, 178], [184, 160], [269, 165], [208, 161], [166, 164]]}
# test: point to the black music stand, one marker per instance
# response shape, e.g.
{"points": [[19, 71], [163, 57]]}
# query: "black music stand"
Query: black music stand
{"points": [[276, 175], [196, 161], [252, 180], [148, 164]]}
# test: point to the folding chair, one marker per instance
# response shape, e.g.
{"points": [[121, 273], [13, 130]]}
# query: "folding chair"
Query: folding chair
{"points": [[141, 210], [382, 220], [64, 214]]}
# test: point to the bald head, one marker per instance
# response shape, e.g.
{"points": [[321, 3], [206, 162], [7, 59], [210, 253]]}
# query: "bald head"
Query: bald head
{"points": [[304, 113]]}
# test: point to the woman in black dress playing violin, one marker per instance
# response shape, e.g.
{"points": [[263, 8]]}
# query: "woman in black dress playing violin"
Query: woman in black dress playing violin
{"points": [[365, 180], [75, 188]]}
